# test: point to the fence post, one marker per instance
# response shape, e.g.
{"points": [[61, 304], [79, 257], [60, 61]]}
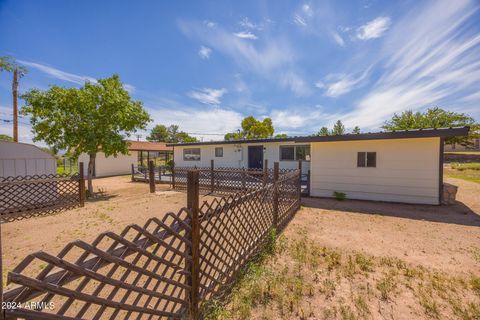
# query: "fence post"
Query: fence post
{"points": [[133, 173], [299, 188], [265, 172], [160, 173], [151, 176], [243, 179], [81, 184], [212, 176], [194, 266], [275, 194], [173, 176], [2, 310]]}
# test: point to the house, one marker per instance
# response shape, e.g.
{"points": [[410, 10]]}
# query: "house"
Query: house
{"points": [[139, 154], [400, 166], [23, 159], [459, 148]]}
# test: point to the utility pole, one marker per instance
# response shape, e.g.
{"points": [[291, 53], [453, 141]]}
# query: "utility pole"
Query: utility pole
{"points": [[15, 104]]}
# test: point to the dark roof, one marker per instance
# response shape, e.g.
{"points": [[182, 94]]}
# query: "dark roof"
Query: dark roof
{"points": [[399, 134], [148, 146]]}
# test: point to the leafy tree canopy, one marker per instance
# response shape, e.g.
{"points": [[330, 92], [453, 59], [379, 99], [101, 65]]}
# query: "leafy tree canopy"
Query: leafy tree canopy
{"points": [[281, 136], [9, 64], [4, 137], [169, 134], [338, 128], [356, 130], [323, 132], [97, 116], [434, 118], [253, 129]]}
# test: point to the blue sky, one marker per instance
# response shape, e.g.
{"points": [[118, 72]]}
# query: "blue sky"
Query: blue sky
{"points": [[204, 65]]}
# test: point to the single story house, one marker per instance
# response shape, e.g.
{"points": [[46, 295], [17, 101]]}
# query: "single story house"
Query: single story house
{"points": [[459, 148], [23, 159], [398, 166], [139, 154]]}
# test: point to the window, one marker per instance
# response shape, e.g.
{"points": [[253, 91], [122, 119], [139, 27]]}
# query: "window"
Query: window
{"points": [[192, 154], [219, 152], [367, 159], [292, 153]]}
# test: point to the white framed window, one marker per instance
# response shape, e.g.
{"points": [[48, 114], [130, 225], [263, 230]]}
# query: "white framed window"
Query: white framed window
{"points": [[295, 153], [191, 154], [366, 159], [219, 152]]}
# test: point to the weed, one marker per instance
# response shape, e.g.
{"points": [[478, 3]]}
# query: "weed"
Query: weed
{"points": [[328, 288], [362, 306], [427, 301], [340, 196], [332, 258], [364, 262], [346, 313], [386, 286], [475, 283]]}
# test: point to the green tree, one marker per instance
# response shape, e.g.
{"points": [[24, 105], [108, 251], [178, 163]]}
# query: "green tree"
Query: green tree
{"points": [[159, 133], [4, 137], [10, 65], [323, 132], [96, 117], [253, 129], [434, 118], [281, 136], [356, 130], [172, 134], [338, 128]]}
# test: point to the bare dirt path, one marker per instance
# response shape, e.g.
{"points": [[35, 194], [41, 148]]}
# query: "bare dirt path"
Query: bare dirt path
{"points": [[439, 237]]}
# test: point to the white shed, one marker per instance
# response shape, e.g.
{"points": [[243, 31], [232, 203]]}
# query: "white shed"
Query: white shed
{"points": [[22, 159]]}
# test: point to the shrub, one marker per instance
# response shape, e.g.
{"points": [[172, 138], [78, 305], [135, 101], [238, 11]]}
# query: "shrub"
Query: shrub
{"points": [[466, 166], [340, 196]]}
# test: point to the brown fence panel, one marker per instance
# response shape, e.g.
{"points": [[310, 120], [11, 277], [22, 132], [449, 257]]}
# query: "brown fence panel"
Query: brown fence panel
{"points": [[137, 274], [29, 196]]}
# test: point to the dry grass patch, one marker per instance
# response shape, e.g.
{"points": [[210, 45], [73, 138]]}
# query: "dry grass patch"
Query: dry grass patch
{"points": [[303, 280]]}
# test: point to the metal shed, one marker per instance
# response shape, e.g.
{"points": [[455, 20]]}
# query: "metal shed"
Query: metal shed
{"points": [[23, 159]]}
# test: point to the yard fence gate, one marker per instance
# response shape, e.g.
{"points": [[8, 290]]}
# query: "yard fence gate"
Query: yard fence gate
{"points": [[171, 267]]}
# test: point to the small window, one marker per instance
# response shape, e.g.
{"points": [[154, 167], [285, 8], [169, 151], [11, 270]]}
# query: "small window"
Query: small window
{"points": [[367, 159], [192, 154], [219, 152], [287, 153], [292, 153]]}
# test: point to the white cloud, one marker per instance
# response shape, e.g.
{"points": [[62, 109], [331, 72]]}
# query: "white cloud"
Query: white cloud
{"points": [[248, 24], [373, 29], [260, 57], [66, 76], [307, 10], [197, 121], [204, 52], [296, 83], [208, 95], [210, 24], [287, 119], [245, 35], [338, 39], [431, 55], [336, 85], [298, 20]]}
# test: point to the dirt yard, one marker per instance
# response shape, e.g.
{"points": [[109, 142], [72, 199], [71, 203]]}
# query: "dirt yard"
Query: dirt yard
{"points": [[366, 260], [378, 239], [124, 202]]}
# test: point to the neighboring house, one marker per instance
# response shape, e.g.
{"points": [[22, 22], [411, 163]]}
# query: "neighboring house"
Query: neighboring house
{"points": [[401, 166], [458, 147], [22, 159], [139, 153]]}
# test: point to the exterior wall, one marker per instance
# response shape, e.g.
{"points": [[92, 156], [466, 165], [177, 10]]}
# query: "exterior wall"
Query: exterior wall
{"points": [[21, 159], [110, 166], [407, 170], [236, 155]]}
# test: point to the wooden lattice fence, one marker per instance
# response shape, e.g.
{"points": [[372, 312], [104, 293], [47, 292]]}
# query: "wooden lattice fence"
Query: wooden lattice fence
{"points": [[28, 196], [169, 268]]}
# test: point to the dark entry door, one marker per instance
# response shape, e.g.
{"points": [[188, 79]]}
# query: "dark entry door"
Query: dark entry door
{"points": [[255, 157]]}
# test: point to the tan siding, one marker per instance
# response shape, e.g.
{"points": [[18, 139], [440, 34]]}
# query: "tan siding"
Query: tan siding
{"points": [[407, 170]]}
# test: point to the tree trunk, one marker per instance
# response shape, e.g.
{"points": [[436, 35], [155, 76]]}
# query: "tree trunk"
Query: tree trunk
{"points": [[15, 104], [91, 164]]}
